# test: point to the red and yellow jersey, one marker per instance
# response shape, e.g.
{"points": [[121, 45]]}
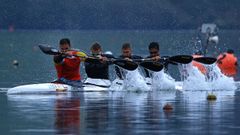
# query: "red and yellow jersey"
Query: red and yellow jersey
{"points": [[228, 64], [69, 68], [199, 65]]}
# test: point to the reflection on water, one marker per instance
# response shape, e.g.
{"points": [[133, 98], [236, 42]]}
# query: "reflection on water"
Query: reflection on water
{"points": [[67, 116], [124, 113]]}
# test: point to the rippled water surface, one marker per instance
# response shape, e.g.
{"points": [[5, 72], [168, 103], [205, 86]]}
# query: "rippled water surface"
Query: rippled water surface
{"points": [[121, 113]]}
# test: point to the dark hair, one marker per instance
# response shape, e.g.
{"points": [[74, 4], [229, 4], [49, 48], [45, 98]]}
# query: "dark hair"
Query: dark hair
{"points": [[96, 46], [230, 51], [153, 45], [126, 46], [65, 41]]}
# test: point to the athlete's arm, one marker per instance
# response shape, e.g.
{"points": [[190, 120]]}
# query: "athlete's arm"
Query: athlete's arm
{"points": [[58, 59]]}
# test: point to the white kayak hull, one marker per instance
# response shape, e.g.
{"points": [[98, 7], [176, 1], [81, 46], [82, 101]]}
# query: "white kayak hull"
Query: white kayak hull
{"points": [[52, 88], [89, 85], [102, 85], [39, 88]]}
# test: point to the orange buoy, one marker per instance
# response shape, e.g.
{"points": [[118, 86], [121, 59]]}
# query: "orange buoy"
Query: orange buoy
{"points": [[167, 107]]}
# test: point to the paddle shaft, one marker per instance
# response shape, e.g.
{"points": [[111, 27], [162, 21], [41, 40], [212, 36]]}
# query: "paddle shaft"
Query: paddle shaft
{"points": [[182, 59], [121, 63]]}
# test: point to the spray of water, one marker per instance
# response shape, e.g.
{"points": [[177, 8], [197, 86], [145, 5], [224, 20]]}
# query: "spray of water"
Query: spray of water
{"points": [[193, 79], [117, 85], [219, 81], [134, 81], [163, 81]]}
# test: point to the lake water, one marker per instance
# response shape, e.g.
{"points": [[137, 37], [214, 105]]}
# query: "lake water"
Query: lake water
{"points": [[109, 112]]}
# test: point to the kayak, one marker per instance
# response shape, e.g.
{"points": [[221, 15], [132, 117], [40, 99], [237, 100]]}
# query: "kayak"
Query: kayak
{"points": [[89, 85], [40, 88]]}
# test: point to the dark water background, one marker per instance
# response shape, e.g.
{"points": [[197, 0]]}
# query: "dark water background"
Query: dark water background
{"points": [[107, 112]]}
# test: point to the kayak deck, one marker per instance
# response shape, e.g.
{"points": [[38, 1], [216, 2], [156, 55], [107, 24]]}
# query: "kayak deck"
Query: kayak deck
{"points": [[53, 88]]}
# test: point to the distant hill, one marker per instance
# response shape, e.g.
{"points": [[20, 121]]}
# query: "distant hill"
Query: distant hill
{"points": [[118, 14]]}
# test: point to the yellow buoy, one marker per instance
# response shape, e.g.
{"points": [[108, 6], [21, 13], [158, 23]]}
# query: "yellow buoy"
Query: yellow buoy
{"points": [[211, 97]]}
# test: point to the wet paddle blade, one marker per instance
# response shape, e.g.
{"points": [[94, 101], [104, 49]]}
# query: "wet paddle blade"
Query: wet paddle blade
{"points": [[128, 65], [183, 59], [49, 50], [153, 66], [205, 60]]}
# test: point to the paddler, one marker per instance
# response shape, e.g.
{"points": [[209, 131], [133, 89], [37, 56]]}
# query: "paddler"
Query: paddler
{"points": [[127, 55], [227, 62], [67, 64], [98, 68], [154, 54]]}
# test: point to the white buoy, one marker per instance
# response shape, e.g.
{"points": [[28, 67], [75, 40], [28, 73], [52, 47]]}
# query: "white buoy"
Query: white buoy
{"points": [[15, 63]]}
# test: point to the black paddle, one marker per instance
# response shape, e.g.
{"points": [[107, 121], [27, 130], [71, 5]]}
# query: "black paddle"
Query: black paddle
{"points": [[183, 59], [126, 64], [153, 66], [129, 65], [149, 64], [49, 50], [205, 60]]}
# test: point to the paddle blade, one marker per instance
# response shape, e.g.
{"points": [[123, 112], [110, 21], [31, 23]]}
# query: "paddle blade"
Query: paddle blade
{"points": [[49, 50], [183, 59], [81, 54], [128, 65], [153, 66], [205, 60]]}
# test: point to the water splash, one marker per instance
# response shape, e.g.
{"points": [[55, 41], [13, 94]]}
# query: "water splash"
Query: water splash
{"points": [[193, 79], [219, 81], [161, 80], [134, 81], [117, 85]]}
